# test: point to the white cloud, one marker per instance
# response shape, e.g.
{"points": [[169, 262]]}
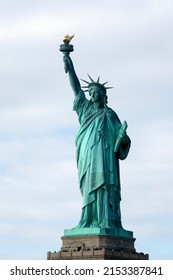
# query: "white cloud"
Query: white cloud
{"points": [[127, 43]]}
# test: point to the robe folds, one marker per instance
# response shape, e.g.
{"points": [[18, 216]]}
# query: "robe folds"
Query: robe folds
{"points": [[98, 164]]}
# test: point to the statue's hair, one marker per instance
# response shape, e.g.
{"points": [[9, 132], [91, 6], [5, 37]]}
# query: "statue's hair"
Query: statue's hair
{"points": [[105, 99]]}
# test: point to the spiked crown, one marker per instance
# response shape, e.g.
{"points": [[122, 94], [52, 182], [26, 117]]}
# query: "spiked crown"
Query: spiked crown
{"points": [[95, 84]]}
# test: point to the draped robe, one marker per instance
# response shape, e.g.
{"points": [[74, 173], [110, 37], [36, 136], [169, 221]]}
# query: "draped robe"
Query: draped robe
{"points": [[98, 164]]}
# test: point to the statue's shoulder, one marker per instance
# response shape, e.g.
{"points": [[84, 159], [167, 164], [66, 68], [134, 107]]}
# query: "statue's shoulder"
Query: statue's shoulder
{"points": [[112, 114], [80, 98], [81, 104]]}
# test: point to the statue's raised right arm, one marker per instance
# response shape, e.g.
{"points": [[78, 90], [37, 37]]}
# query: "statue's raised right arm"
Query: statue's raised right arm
{"points": [[69, 68]]}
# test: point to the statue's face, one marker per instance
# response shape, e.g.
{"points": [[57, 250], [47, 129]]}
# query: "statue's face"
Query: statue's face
{"points": [[96, 95]]}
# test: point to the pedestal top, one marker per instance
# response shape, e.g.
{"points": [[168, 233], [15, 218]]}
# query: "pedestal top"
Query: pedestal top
{"points": [[119, 232]]}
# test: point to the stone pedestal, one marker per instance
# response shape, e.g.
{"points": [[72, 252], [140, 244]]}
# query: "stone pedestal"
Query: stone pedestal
{"points": [[97, 247]]}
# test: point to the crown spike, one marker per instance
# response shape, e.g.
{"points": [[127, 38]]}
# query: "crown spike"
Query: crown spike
{"points": [[104, 83], [98, 80], [85, 81], [90, 78]]}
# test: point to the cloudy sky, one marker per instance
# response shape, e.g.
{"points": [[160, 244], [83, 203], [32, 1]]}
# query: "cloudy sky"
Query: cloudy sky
{"points": [[129, 44]]}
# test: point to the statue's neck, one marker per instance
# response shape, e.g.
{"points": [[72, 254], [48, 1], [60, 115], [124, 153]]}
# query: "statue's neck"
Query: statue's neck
{"points": [[98, 105]]}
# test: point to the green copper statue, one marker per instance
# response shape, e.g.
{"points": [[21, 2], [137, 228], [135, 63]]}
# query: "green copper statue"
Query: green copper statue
{"points": [[100, 142]]}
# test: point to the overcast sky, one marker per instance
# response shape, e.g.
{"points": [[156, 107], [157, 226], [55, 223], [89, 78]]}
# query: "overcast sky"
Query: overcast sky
{"points": [[129, 44]]}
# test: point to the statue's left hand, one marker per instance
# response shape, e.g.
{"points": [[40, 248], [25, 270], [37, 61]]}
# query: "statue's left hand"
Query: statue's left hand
{"points": [[125, 140]]}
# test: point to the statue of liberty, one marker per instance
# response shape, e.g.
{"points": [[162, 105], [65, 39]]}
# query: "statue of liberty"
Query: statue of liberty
{"points": [[100, 143]]}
